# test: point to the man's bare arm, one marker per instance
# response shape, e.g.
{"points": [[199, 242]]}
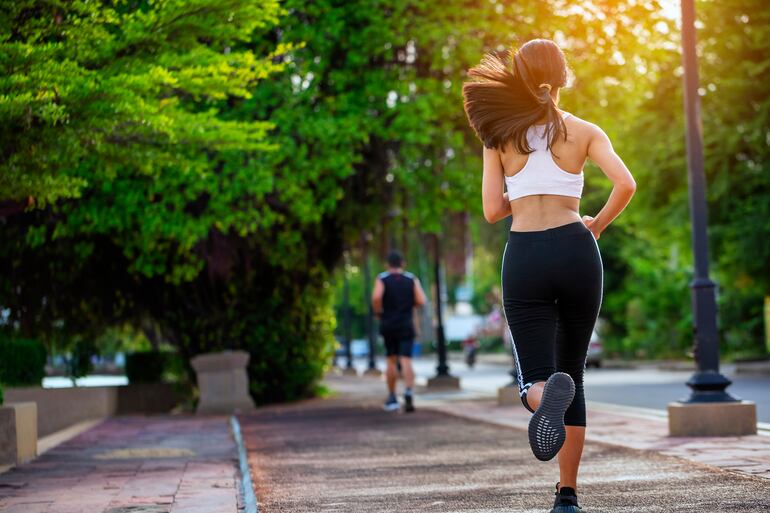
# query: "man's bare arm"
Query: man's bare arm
{"points": [[419, 295], [377, 293]]}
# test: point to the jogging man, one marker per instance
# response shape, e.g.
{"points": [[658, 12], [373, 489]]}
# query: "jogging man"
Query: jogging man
{"points": [[396, 294]]}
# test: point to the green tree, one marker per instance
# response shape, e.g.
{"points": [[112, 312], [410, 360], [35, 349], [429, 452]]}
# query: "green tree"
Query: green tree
{"points": [[734, 66], [94, 91], [200, 167], [119, 123]]}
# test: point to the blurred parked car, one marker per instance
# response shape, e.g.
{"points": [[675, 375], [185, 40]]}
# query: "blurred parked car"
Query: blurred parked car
{"points": [[359, 348], [595, 353]]}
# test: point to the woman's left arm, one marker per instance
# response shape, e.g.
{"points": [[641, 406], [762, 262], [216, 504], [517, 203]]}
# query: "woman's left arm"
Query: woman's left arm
{"points": [[494, 200]]}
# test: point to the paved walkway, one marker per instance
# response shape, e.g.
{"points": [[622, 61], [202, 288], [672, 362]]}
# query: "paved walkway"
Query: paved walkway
{"points": [[636, 428], [131, 465], [346, 455], [629, 428]]}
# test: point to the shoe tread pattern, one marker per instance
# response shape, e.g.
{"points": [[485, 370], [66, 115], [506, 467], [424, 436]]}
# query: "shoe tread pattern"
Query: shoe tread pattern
{"points": [[546, 427]]}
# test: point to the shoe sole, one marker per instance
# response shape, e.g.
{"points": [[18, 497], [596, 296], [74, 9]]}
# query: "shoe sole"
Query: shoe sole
{"points": [[389, 407], [567, 509], [546, 427]]}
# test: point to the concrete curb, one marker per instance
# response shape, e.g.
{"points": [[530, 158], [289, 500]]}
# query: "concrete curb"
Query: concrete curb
{"points": [[247, 487], [758, 368]]}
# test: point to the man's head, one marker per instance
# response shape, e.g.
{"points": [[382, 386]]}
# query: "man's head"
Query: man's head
{"points": [[395, 260]]}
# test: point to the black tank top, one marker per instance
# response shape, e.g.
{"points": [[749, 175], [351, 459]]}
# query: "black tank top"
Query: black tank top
{"points": [[397, 304]]}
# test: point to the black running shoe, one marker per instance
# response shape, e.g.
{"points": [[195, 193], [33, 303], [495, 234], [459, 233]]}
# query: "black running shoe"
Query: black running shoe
{"points": [[408, 403], [546, 427], [566, 501], [391, 404]]}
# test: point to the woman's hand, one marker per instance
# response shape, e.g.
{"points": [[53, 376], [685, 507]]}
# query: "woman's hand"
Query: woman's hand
{"points": [[623, 184], [592, 226]]}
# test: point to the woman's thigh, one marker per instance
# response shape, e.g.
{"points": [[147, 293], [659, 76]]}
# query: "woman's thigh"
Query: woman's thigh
{"points": [[530, 311], [579, 299]]}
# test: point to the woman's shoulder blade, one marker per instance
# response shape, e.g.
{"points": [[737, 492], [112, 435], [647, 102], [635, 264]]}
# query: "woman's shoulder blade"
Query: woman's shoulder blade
{"points": [[581, 128]]}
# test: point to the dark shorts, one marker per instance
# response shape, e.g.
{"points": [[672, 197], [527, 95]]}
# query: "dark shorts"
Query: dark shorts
{"points": [[398, 345]]}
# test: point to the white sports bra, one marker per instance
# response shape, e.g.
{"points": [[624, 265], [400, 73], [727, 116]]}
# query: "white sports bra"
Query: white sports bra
{"points": [[541, 175]]}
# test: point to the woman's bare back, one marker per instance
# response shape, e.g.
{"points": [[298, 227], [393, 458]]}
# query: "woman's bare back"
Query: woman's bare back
{"points": [[543, 211]]}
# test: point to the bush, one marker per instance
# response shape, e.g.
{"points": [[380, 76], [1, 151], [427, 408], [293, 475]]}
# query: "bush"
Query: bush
{"points": [[146, 366], [290, 349], [492, 345], [79, 360], [22, 362]]}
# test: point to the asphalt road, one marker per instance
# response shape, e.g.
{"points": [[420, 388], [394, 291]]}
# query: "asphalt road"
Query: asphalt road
{"points": [[642, 388]]}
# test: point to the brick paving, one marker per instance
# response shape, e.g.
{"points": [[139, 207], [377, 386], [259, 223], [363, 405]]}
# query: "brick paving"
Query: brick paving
{"points": [[346, 455], [131, 465]]}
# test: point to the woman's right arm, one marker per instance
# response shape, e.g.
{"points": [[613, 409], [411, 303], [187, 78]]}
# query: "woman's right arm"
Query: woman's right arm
{"points": [[494, 201], [601, 152]]}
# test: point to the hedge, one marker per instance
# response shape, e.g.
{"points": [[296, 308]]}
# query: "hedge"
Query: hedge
{"points": [[146, 366], [22, 362]]}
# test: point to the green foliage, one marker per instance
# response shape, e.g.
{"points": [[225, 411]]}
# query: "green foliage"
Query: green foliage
{"points": [[193, 170], [146, 366], [93, 92], [22, 361], [492, 345], [487, 263], [735, 113], [171, 191], [79, 362], [291, 346]]}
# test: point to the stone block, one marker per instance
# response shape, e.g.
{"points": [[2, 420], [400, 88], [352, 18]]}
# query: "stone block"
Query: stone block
{"points": [[7, 435], [375, 373], [508, 396], [712, 419], [59, 408], [444, 383], [148, 398], [223, 382], [18, 433]]}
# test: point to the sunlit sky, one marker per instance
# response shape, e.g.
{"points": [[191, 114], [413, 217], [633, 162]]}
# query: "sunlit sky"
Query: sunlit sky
{"points": [[672, 9]]}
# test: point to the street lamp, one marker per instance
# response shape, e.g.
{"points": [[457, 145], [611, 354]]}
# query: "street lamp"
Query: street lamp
{"points": [[372, 369], [349, 369], [442, 379], [709, 410], [707, 384]]}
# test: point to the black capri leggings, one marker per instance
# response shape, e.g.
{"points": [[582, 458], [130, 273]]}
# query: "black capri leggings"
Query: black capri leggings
{"points": [[552, 292]]}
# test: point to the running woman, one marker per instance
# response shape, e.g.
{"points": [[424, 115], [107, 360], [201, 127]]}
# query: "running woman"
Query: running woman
{"points": [[552, 275], [396, 294]]}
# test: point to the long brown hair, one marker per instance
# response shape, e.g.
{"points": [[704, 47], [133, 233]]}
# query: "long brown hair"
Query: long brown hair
{"points": [[507, 93]]}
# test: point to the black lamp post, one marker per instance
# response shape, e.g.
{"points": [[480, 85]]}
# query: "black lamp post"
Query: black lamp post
{"points": [[707, 384], [442, 370], [346, 317], [372, 367]]}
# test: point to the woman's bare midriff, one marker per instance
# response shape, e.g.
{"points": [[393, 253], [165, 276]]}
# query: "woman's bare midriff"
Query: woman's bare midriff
{"points": [[543, 211]]}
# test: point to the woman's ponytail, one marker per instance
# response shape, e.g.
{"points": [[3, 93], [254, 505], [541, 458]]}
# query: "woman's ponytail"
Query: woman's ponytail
{"points": [[509, 93]]}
